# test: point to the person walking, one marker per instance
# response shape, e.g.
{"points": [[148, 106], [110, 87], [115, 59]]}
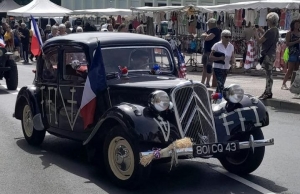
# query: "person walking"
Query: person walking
{"points": [[293, 42], [210, 37], [221, 64], [268, 51], [25, 35]]}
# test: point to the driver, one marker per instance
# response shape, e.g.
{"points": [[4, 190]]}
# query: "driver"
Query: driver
{"points": [[139, 59]]}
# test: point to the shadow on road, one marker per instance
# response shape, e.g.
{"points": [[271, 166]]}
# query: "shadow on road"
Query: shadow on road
{"points": [[189, 177]]}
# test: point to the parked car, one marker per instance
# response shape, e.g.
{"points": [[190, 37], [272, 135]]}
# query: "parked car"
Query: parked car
{"points": [[8, 69], [143, 106]]}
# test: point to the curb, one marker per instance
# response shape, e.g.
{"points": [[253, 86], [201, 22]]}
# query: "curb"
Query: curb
{"points": [[276, 103]]}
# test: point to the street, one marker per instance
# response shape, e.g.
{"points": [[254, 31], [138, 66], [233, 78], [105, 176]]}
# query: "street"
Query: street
{"points": [[59, 165]]}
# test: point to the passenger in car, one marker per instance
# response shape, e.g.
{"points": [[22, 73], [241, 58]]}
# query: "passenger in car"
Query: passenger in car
{"points": [[139, 59]]}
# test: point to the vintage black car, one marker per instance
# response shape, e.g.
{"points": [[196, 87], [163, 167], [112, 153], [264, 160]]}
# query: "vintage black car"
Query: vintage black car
{"points": [[141, 110], [8, 69]]}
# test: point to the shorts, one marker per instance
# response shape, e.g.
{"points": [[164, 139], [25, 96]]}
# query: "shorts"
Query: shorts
{"points": [[294, 58], [206, 63]]}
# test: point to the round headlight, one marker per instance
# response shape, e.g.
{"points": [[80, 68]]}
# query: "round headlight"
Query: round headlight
{"points": [[1, 53], [233, 93], [159, 100]]}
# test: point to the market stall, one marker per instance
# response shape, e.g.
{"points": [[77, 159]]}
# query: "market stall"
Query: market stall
{"points": [[238, 15], [180, 25], [40, 8]]}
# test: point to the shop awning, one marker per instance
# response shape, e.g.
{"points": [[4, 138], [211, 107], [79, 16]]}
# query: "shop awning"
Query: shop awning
{"points": [[101, 12], [40, 8], [289, 4], [8, 5]]}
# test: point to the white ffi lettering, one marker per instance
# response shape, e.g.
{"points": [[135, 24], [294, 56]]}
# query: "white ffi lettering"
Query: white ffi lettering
{"points": [[55, 112], [42, 99], [49, 102], [241, 118], [257, 124], [226, 123]]}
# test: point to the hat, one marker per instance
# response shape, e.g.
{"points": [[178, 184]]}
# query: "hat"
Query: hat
{"points": [[211, 21], [104, 30]]}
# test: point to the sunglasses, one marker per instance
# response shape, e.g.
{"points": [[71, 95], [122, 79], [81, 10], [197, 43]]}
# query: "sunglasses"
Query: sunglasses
{"points": [[227, 36]]}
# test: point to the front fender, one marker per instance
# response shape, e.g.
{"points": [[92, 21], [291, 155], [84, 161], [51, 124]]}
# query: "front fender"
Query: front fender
{"points": [[29, 95], [233, 118], [140, 123]]}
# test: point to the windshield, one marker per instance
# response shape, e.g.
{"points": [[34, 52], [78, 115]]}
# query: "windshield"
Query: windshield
{"points": [[137, 59]]}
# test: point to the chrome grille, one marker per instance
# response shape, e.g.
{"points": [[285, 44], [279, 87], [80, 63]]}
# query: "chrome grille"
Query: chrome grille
{"points": [[193, 112]]}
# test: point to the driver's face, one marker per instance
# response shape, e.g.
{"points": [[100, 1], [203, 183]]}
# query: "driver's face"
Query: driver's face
{"points": [[142, 59]]}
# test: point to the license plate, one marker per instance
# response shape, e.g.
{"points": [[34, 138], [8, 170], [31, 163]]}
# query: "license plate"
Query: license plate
{"points": [[215, 148]]}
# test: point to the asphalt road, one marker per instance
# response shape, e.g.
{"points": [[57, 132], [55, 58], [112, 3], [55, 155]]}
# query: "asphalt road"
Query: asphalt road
{"points": [[58, 165]]}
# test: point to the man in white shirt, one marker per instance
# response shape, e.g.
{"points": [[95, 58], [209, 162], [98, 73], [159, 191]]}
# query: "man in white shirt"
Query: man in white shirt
{"points": [[104, 26]]}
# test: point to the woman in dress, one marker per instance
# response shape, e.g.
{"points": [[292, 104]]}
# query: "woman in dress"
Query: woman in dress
{"points": [[222, 64], [292, 41]]}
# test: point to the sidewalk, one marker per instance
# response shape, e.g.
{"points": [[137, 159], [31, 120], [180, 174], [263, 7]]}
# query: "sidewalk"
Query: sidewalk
{"points": [[255, 86]]}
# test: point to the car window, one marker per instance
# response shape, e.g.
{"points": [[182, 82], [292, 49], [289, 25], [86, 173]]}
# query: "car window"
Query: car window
{"points": [[50, 66], [144, 58], [75, 65]]}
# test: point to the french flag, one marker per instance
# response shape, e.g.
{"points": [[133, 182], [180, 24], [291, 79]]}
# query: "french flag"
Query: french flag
{"points": [[2, 43], [95, 82], [36, 40], [181, 65]]}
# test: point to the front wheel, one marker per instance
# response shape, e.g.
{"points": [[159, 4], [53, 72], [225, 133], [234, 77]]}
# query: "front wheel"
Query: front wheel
{"points": [[122, 160], [32, 136], [245, 161], [11, 76]]}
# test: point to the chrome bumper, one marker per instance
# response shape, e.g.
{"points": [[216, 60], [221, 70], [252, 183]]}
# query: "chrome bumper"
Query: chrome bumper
{"points": [[243, 145]]}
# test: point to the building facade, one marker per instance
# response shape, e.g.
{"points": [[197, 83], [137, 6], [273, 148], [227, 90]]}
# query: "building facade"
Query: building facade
{"points": [[126, 4]]}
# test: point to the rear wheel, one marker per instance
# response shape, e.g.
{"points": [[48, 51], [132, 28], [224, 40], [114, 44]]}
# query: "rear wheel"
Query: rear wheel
{"points": [[32, 136], [122, 160], [11, 76], [245, 161]]}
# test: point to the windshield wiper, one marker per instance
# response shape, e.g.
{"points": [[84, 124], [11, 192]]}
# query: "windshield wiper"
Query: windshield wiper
{"points": [[112, 75]]}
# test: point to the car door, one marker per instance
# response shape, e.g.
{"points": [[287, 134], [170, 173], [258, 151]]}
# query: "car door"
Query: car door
{"points": [[48, 86], [71, 85]]}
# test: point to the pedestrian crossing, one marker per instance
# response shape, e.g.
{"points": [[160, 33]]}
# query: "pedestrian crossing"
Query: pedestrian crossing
{"points": [[3, 88]]}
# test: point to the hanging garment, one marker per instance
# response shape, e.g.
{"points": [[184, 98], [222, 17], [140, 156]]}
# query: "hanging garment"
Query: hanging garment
{"points": [[288, 19], [257, 18], [262, 17], [238, 18], [199, 21], [250, 16], [251, 55], [119, 19], [282, 18], [221, 18], [295, 15], [135, 23], [280, 48], [173, 16]]}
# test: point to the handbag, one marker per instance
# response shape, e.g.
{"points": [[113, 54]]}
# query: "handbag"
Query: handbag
{"points": [[219, 54], [295, 87], [286, 55]]}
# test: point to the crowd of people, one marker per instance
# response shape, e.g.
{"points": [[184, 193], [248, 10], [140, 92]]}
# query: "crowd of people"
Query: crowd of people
{"points": [[218, 54], [17, 36]]}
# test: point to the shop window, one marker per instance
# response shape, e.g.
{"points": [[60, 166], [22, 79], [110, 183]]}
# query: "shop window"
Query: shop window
{"points": [[162, 4], [149, 4]]}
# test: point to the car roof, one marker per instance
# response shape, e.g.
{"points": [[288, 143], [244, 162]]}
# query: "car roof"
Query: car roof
{"points": [[109, 39]]}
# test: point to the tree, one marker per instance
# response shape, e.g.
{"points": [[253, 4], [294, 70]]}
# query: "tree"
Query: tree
{"points": [[25, 2]]}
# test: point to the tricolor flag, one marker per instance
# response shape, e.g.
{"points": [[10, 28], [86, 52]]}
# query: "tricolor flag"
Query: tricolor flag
{"points": [[2, 43], [181, 65], [95, 82], [36, 40]]}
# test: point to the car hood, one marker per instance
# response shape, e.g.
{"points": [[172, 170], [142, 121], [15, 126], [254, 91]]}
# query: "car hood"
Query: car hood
{"points": [[146, 82]]}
